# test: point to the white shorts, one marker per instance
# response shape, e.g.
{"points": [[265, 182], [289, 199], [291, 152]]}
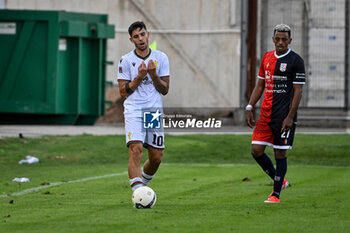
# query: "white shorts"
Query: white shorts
{"points": [[134, 133]]}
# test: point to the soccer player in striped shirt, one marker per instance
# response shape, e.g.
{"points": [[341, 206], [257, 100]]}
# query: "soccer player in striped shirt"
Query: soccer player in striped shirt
{"points": [[281, 77]]}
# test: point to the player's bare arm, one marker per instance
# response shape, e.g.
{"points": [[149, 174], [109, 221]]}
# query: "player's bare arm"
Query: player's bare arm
{"points": [[256, 95], [126, 88], [161, 84], [288, 121]]}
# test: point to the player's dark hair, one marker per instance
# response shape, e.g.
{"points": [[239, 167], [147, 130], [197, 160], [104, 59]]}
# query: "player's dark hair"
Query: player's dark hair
{"points": [[282, 28], [136, 25]]}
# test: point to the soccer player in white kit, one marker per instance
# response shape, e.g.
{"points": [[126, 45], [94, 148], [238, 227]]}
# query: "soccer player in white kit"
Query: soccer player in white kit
{"points": [[143, 76]]}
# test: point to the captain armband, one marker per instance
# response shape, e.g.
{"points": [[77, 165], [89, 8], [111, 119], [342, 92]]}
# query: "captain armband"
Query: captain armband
{"points": [[128, 89]]}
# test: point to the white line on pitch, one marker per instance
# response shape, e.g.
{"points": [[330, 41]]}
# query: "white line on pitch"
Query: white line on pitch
{"points": [[35, 189]]}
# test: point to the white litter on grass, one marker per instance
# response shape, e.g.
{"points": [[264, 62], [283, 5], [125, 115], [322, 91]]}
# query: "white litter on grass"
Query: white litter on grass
{"points": [[36, 189], [21, 180], [29, 159]]}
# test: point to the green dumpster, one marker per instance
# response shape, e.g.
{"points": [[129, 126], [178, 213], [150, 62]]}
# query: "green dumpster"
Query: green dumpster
{"points": [[52, 67]]}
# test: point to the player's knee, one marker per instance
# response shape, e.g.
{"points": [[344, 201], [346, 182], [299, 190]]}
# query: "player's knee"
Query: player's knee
{"points": [[257, 150], [135, 150], [255, 153]]}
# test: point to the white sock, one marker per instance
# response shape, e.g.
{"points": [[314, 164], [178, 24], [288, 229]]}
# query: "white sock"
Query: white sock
{"points": [[136, 183], [146, 178]]}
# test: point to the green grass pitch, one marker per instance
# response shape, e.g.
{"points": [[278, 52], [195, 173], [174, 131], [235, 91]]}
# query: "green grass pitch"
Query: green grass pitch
{"points": [[207, 183]]}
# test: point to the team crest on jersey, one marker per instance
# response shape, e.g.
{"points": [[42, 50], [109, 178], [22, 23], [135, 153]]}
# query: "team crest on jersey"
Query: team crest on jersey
{"points": [[283, 67], [156, 63], [133, 64]]}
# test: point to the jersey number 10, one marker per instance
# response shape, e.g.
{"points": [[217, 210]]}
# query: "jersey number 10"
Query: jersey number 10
{"points": [[157, 140]]}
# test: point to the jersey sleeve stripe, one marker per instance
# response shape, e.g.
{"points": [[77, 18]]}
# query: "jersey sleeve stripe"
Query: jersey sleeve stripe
{"points": [[298, 82], [260, 77], [119, 79], [166, 76]]}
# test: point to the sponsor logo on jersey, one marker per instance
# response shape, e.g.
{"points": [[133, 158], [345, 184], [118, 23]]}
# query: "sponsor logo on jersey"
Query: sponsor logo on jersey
{"points": [[278, 77], [156, 63], [276, 91], [283, 67], [133, 64]]}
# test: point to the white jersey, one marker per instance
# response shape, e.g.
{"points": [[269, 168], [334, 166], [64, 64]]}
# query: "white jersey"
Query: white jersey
{"points": [[145, 95]]}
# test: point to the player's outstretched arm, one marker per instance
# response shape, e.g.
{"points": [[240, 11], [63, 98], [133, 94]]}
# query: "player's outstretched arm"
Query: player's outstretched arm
{"points": [[256, 95], [161, 84]]}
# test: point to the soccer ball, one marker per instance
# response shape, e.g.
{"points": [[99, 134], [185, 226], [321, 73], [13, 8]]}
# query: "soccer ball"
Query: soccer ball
{"points": [[144, 197]]}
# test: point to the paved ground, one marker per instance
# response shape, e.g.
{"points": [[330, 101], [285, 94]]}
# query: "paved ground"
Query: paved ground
{"points": [[41, 130]]}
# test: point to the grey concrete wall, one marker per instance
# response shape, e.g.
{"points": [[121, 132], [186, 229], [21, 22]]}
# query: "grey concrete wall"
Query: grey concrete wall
{"points": [[203, 44]]}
